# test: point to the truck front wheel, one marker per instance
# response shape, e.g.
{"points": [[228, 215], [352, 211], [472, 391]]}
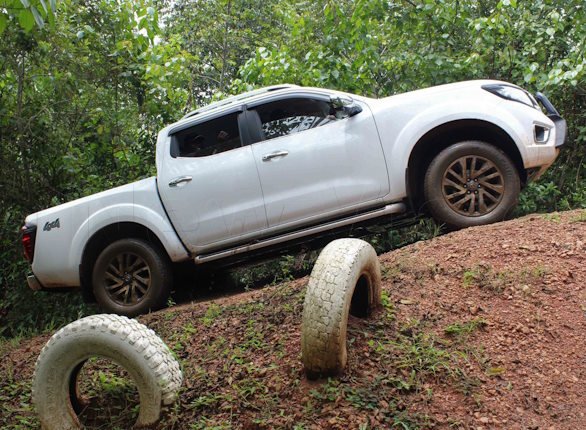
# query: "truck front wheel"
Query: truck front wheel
{"points": [[131, 277], [471, 183]]}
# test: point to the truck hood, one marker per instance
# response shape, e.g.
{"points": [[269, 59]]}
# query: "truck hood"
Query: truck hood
{"points": [[437, 91]]}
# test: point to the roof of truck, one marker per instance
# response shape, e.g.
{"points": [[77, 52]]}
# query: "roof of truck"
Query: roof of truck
{"points": [[238, 98]]}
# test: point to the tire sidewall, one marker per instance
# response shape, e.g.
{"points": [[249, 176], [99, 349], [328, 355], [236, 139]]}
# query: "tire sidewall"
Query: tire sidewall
{"points": [[327, 303], [439, 208], [67, 353], [121, 340], [158, 290]]}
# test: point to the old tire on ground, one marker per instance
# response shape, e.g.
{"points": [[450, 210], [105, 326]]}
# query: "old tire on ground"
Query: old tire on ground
{"points": [[126, 342], [345, 280], [471, 183], [131, 277]]}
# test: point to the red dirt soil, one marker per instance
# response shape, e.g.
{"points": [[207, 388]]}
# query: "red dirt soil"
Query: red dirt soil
{"points": [[527, 279], [483, 328]]}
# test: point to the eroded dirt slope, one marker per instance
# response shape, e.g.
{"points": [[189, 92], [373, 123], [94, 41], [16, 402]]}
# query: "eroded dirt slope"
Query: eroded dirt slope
{"points": [[483, 328]]}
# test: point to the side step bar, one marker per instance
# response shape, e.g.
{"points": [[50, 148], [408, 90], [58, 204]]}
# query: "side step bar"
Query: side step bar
{"points": [[395, 208]]}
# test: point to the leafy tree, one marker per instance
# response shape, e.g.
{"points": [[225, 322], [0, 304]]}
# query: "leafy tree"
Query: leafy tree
{"points": [[220, 35], [81, 101], [26, 13], [85, 86]]}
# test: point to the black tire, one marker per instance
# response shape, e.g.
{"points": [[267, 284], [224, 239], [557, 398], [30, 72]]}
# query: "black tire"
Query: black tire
{"points": [[471, 183], [144, 287]]}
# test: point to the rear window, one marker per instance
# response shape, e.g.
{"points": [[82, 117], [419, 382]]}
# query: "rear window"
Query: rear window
{"points": [[209, 138]]}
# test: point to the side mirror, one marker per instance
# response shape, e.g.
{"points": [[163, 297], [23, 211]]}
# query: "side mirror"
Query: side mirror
{"points": [[345, 106]]}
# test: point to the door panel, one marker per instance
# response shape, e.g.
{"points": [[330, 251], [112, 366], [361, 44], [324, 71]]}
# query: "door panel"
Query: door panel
{"points": [[213, 197], [321, 171]]}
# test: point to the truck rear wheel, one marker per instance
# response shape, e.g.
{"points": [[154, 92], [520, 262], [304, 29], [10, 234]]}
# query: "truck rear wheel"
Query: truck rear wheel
{"points": [[131, 277]]}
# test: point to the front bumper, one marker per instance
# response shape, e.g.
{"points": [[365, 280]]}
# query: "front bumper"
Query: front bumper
{"points": [[561, 128]]}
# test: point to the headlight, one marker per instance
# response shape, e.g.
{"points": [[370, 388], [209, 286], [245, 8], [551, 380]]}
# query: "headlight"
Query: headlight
{"points": [[510, 92]]}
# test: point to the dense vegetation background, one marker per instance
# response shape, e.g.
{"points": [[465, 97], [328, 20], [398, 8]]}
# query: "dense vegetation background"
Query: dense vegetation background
{"points": [[85, 86]]}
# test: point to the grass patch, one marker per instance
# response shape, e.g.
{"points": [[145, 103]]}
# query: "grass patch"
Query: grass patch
{"points": [[20, 416], [485, 277], [581, 217], [462, 331], [110, 395], [213, 311], [553, 216]]}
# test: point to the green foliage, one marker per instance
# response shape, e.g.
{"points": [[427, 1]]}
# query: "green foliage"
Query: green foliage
{"points": [[388, 239], [219, 36], [86, 86], [27, 13], [462, 331], [546, 195]]}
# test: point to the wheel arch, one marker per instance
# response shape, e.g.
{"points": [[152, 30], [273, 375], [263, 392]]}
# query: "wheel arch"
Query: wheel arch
{"points": [[104, 237], [445, 135]]}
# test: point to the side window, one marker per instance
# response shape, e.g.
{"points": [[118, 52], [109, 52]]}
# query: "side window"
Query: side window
{"points": [[288, 116], [209, 138]]}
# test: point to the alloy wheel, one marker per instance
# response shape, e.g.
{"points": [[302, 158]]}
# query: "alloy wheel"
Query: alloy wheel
{"points": [[127, 278], [473, 186]]}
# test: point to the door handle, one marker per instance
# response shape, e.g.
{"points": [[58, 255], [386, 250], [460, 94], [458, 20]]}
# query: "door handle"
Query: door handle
{"points": [[180, 180], [268, 157]]}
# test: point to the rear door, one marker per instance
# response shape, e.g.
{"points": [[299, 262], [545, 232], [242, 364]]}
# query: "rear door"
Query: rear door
{"points": [[312, 164], [209, 185]]}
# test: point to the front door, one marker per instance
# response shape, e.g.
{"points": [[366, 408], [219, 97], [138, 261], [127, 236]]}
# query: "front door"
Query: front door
{"points": [[314, 165]]}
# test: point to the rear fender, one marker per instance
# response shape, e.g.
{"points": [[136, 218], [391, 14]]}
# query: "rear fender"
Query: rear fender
{"points": [[132, 213]]}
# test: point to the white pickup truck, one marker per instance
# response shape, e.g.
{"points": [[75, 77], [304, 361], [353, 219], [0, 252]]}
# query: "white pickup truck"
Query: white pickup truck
{"points": [[285, 164]]}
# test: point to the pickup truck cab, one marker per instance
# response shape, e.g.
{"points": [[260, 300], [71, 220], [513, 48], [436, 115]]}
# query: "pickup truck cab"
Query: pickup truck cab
{"points": [[283, 165]]}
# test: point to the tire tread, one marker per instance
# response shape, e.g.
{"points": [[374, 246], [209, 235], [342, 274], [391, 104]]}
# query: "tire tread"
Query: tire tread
{"points": [[136, 336]]}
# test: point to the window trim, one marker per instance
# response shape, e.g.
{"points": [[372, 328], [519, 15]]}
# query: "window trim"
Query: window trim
{"points": [[296, 95]]}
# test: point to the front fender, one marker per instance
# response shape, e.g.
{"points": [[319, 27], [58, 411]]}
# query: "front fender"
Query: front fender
{"points": [[410, 133]]}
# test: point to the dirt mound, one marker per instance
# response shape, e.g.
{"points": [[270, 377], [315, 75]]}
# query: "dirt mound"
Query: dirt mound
{"points": [[520, 287], [482, 328]]}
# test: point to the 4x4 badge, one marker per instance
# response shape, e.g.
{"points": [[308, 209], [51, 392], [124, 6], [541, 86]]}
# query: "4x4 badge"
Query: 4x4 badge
{"points": [[50, 225]]}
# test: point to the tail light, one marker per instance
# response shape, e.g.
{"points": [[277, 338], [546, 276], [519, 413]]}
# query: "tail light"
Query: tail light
{"points": [[29, 233]]}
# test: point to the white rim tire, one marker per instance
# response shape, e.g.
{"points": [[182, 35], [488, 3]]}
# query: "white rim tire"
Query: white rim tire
{"points": [[346, 279], [126, 342]]}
